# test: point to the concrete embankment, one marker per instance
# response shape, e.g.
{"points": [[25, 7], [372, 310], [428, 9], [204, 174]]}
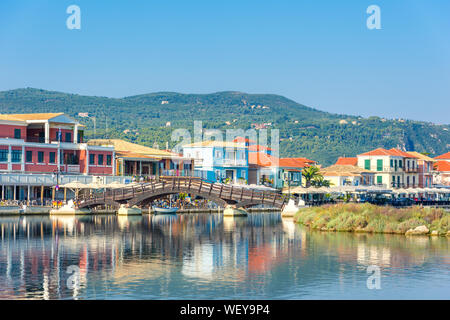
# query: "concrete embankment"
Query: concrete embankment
{"points": [[15, 210]]}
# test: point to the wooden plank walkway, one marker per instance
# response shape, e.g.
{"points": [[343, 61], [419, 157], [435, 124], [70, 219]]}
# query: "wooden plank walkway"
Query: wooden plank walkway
{"points": [[222, 193]]}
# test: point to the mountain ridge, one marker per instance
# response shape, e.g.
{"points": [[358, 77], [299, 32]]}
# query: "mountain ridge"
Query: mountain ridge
{"points": [[304, 131]]}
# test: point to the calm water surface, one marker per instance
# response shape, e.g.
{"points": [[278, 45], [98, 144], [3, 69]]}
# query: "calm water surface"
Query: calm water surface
{"points": [[210, 257]]}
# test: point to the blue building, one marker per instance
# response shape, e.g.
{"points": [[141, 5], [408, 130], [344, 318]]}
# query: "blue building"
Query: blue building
{"points": [[219, 161]]}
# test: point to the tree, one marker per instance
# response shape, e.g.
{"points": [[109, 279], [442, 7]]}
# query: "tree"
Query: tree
{"points": [[310, 173], [319, 181]]}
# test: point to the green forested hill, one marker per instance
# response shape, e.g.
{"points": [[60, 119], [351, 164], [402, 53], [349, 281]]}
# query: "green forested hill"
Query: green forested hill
{"points": [[303, 131]]}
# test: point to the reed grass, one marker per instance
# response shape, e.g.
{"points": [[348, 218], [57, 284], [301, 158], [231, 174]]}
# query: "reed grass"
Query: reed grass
{"points": [[352, 217]]}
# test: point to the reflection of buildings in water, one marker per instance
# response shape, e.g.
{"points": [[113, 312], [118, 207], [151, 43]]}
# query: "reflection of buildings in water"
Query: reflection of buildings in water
{"points": [[125, 222], [229, 224], [386, 257], [67, 223], [289, 227], [200, 264], [144, 249]]}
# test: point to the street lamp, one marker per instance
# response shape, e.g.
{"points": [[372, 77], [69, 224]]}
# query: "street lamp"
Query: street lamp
{"points": [[56, 174]]}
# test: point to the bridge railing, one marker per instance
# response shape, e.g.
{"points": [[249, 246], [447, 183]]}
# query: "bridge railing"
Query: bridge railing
{"points": [[189, 185]]}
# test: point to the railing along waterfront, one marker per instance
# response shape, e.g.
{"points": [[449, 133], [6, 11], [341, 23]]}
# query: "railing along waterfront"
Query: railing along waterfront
{"points": [[170, 185]]}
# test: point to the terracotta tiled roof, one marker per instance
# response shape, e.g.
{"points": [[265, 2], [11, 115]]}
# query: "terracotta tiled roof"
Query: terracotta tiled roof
{"points": [[262, 159], [391, 152], [401, 153], [420, 156], [257, 147], [296, 162], [242, 139], [127, 154], [347, 161], [444, 156], [377, 152], [29, 116], [443, 166], [343, 170], [125, 147]]}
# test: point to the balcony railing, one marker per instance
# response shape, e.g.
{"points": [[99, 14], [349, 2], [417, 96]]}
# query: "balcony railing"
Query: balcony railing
{"points": [[231, 162]]}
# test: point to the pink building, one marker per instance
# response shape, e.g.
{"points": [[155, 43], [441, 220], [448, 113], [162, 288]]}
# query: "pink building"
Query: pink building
{"points": [[425, 169], [46, 145]]}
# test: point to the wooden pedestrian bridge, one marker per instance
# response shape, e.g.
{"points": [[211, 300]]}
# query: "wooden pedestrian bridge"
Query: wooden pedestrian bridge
{"points": [[143, 194]]}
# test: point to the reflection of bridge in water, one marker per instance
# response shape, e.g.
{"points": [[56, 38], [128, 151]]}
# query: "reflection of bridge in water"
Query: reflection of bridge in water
{"points": [[144, 193], [179, 256]]}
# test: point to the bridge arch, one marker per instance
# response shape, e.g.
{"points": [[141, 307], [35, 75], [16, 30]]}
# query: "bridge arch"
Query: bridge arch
{"points": [[221, 194], [149, 197]]}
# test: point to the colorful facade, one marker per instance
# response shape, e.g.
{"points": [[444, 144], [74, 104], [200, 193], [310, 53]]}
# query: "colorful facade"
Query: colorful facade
{"points": [[425, 169], [219, 161], [393, 168], [36, 148], [137, 160]]}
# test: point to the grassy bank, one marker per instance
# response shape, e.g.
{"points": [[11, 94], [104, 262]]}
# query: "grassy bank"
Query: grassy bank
{"points": [[371, 218]]}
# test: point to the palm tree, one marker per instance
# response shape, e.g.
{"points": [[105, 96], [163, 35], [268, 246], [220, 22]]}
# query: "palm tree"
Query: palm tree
{"points": [[319, 181], [310, 174]]}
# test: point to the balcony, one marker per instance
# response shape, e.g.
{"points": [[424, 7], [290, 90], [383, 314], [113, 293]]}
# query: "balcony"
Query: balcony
{"points": [[231, 162]]}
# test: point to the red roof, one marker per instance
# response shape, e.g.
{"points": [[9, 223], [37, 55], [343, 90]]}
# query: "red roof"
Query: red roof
{"points": [[377, 152], [262, 159], [391, 152], [257, 147], [347, 161], [401, 153], [242, 139], [296, 162], [444, 156], [443, 166]]}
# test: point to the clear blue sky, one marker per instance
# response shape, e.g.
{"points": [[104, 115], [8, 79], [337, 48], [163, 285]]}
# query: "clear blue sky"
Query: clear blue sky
{"points": [[319, 53]]}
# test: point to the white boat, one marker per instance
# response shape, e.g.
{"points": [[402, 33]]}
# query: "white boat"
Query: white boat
{"points": [[159, 210]]}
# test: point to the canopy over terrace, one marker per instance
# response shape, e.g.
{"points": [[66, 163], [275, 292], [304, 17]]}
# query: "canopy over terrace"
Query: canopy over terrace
{"points": [[302, 190], [134, 159]]}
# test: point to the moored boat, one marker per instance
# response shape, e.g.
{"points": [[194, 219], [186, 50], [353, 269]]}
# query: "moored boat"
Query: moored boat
{"points": [[168, 210]]}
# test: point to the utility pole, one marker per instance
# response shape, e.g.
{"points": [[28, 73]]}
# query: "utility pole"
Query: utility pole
{"points": [[94, 119]]}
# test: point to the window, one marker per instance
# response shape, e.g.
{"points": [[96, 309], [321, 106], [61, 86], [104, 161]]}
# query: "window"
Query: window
{"points": [[3, 155], [392, 163], [68, 137], [400, 164], [16, 156], [40, 156], [398, 181], [379, 179], [414, 181], [407, 181], [17, 133], [217, 175], [92, 159], [367, 164], [80, 136], [52, 157], [108, 160], [58, 136], [100, 159], [243, 174], [380, 165], [218, 154], [29, 156]]}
